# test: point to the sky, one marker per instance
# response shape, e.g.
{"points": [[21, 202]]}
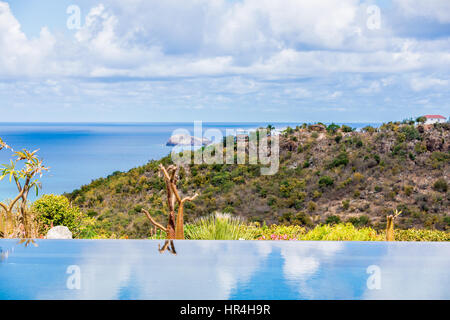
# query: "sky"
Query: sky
{"points": [[219, 60]]}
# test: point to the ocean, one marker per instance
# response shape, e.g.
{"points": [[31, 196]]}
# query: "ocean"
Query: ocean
{"points": [[78, 153]]}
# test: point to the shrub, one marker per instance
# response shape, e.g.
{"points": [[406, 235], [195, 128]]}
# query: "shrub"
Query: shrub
{"points": [[332, 219], [421, 119], [447, 220], [56, 210], [345, 128], [377, 158], [346, 232], [220, 179], [276, 232], [312, 206], [302, 218], [358, 177], [440, 156], [359, 144], [306, 164], [359, 221], [420, 147], [369, 129], [220, 226], [341, 159], [341, 232], [333, 128], [441, 185], [345, 204], [325, 181], [410, 132], [421, 235], [408, 189], [289, 130]]}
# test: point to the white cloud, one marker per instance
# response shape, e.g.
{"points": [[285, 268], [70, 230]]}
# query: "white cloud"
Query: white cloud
{"points": [[423, 83], [258, 38], [262, 54], [20, 55], [433, 9]]}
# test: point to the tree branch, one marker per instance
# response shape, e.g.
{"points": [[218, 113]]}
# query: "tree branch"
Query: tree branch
{"points": [[190, 198], [156, 224], [3, 206], [179, 228]]}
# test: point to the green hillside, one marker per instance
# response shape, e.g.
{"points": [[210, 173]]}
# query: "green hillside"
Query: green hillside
{"points": [[327, 174]]}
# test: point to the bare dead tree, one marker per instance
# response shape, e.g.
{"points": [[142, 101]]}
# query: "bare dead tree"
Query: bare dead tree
{"points": [[390, 225], [175, 224], [168, 245]]}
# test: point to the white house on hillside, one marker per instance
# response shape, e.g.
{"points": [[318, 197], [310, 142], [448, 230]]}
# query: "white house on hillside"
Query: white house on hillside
{"points": [[434, 119]]}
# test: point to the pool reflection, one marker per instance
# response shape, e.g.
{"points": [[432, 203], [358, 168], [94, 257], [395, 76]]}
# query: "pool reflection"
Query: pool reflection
{"points": [[168, 245], [134, 269]]}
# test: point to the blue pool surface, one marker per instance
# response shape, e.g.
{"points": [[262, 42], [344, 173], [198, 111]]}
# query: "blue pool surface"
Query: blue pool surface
{"points": [[135, 269]]}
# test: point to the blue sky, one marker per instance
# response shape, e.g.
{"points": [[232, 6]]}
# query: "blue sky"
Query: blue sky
{"points": [[217, 60]]}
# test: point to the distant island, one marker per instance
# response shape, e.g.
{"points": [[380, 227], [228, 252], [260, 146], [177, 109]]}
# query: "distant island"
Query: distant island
{"points": [[186, 140]]}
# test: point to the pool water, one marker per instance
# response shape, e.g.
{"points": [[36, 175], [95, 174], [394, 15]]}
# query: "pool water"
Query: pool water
{"points": [[136, 269]]}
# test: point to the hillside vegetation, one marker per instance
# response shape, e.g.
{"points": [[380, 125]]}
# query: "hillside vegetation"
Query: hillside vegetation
{"points": [[327, 174]]}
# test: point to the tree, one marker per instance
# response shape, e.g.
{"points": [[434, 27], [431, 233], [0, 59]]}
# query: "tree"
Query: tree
{"points": [[421, 119], [175, 225], [25, 179], [390, 225], [333, 128], [57, 210]]}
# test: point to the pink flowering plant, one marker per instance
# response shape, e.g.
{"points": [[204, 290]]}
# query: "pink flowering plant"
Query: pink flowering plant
{"points": [[276, 232]]}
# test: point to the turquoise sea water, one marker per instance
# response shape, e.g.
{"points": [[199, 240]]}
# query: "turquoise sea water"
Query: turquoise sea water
{"points": [[78, 153], [134, 269]]}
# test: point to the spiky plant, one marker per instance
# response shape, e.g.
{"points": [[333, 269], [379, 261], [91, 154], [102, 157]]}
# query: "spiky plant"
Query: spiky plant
{"points": [[220, 226]]}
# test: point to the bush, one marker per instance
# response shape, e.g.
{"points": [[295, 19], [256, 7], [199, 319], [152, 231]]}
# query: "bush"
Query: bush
{"points": [[346, 232], [369, 129], [341, 159], [420, 147], [441, 185], [345, 128], [56, 210], [421, 119], [359, 221], [345, 204], [408, 189], [447, 220], [326, 181], [299, 218], [358, 177], [312, 206], [410, 132], [333, 220], [421, 235], [276, 232], [333, 128], [341, 232]]}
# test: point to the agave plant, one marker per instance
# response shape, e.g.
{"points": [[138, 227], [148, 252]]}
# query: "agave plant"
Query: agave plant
{"points": [[220, 226]]}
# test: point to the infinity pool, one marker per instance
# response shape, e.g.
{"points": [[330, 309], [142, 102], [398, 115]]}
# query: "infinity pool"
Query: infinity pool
{"points": [[136, 269]]}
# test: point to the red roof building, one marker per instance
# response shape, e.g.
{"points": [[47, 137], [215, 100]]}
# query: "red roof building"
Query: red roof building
{"points": [[434, 116]]}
